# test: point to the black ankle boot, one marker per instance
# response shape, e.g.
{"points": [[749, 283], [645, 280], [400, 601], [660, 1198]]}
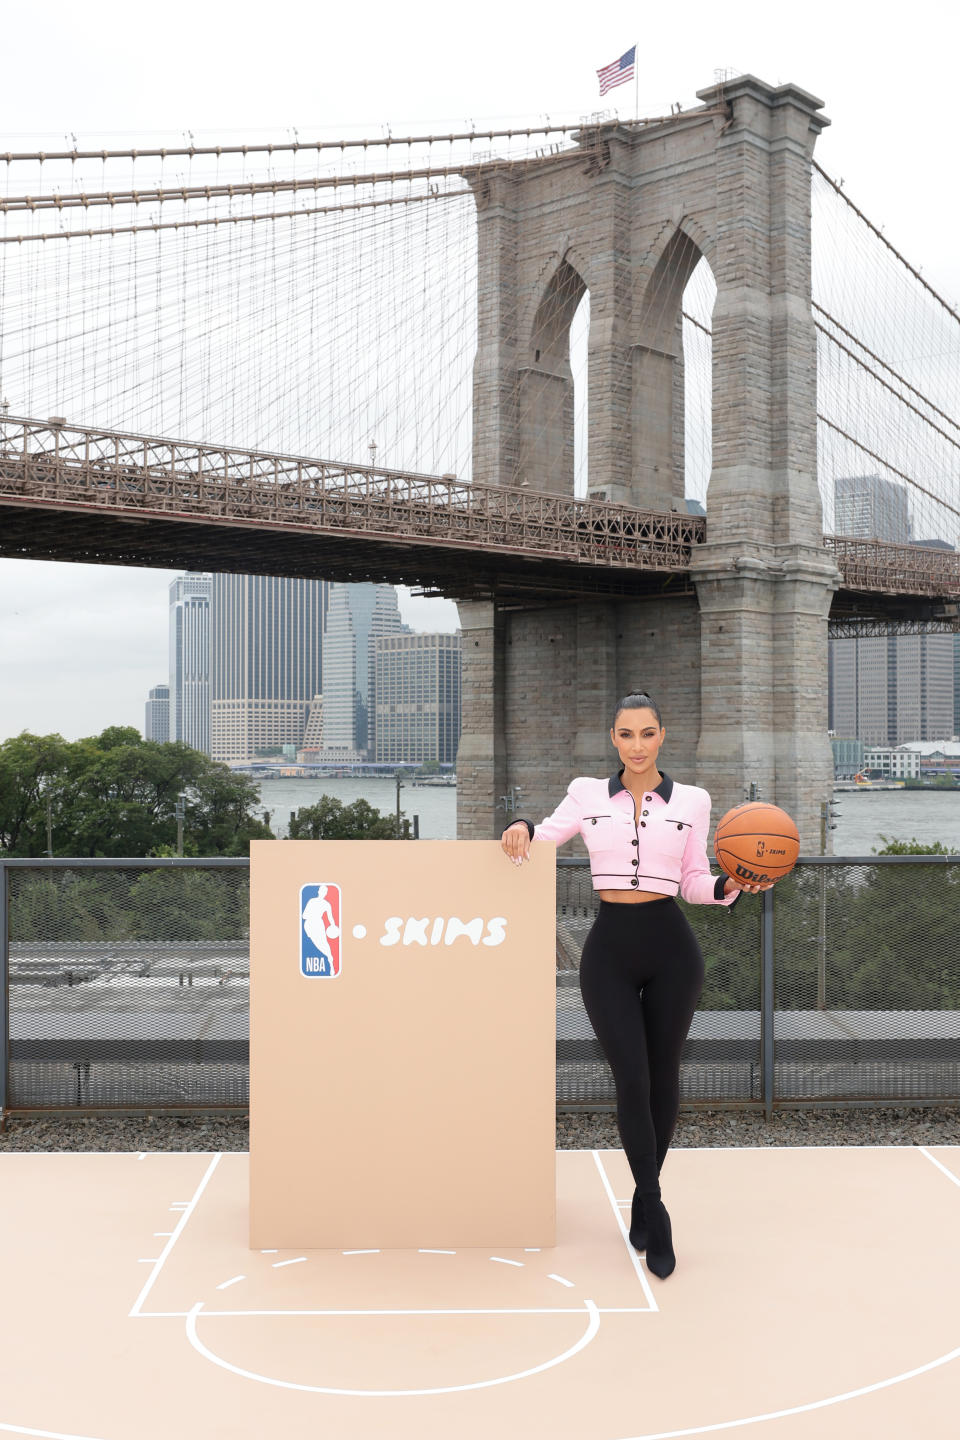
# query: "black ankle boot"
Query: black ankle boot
{"points": [[660, 1257], [638, 1223]]}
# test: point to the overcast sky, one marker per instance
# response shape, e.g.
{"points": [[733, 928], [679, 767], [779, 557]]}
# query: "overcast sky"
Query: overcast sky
{"points": [[81, 645]]}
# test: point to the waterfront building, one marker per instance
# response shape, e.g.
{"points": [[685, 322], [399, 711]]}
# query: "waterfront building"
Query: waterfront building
{"points": [[417, 698], [899, 763], [358, 615], [157, 719], [847, 757], [190, 660], [937, 757], [265, 662]]}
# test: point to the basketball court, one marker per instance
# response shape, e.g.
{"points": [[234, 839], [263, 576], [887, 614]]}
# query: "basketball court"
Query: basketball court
{"points": [[815, 1295]]}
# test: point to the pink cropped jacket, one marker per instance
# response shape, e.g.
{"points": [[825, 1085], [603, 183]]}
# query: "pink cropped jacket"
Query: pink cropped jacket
{"points": [[661, 847]]}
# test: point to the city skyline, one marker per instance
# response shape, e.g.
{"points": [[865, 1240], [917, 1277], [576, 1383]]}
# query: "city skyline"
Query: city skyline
{"points": [[257, 661], [82, 645]]}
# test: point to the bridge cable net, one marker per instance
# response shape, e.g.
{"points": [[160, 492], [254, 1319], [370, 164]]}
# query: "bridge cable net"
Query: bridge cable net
{"points": [[201, 292], [248, 314], [888, 383]]}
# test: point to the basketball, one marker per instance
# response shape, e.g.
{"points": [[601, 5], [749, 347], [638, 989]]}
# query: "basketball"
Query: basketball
{"points": [[756, 842], [333, 931]]}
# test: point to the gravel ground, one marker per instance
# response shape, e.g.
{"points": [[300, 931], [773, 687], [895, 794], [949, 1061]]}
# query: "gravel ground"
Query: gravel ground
{"points": [[890, 1125]]}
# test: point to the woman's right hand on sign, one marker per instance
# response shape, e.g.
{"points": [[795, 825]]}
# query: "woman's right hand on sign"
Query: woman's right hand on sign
{"points": [[516, 842]]}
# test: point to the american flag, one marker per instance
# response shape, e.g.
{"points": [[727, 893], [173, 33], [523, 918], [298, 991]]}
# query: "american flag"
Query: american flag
{"points": [[619, 72]]}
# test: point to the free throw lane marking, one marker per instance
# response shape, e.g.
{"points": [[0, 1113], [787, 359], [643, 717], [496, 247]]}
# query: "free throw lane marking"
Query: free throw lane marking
{"points": [[188, 1211], [934, 1161], [635, 1258]]}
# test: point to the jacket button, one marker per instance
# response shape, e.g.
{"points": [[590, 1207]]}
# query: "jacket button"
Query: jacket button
{"points": [[679, 827], [646, 812], [643, 824], [634, 842], [648, 798], [593, 822], [634, 882]]}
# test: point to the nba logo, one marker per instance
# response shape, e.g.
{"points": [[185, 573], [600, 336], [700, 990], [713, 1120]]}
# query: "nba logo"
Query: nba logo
{"points": [[320, 931]]}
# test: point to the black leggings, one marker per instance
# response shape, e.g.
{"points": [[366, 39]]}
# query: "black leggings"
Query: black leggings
{"points": [[641, 974]]}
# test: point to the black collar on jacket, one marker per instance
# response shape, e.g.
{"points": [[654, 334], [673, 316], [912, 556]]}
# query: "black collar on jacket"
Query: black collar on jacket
{"points": [[664, 789]]}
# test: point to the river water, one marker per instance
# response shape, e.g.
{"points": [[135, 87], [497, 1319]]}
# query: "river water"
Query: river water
{"points": [[435, 804], [864, 817]]}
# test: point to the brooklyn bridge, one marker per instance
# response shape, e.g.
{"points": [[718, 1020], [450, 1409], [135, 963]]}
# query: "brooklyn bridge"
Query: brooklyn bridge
{"points": [[653, 401]]}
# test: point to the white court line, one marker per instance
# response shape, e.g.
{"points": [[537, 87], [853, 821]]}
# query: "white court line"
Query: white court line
{"points": [[503, 1310], [561, 1281], [593, 1325], [419, 1252], [500, 1261], [934, 1161], [342, 1252], [625, 1233], [158, 1266], [279, 1264], [45, 1434], [799, 1409], [225, 1285]]}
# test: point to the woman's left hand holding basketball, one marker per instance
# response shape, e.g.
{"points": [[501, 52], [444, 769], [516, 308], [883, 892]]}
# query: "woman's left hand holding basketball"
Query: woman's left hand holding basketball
{"points": [[730, 885]]}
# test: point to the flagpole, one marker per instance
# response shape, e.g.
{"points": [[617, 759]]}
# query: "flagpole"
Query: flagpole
{"points": [[636, 82]]}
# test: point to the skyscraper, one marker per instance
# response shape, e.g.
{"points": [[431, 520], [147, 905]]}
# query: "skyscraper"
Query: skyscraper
{"points": [[157, 718], [887, 690], [871, 508], [417, 697], [358, 614], [266, 637], [190, 660]]}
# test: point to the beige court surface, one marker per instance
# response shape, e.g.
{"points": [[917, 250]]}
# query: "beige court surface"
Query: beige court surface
{"points": [[817, 1293]]}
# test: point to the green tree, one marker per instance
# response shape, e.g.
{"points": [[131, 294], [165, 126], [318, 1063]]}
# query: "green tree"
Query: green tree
{"points": [[116, 794], [330, 819], [912, 847]]}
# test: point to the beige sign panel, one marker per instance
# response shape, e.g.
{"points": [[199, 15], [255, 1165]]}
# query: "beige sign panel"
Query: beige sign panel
{"points": [[402, 1045]]}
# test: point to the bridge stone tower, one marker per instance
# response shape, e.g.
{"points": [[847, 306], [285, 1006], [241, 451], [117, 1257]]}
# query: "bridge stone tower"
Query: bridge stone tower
{"points": [[739, 668]]}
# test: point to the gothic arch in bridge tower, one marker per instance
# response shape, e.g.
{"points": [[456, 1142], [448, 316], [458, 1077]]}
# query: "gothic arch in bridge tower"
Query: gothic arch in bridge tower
{"points": [[545, 391], [628, 213], [657, 375]]}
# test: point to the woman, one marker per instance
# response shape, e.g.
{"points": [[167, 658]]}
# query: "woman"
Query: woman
{"points": [[641, 970]]}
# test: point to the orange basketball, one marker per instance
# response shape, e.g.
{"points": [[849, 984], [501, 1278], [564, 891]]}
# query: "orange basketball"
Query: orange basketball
{"points": [[756, 842]]}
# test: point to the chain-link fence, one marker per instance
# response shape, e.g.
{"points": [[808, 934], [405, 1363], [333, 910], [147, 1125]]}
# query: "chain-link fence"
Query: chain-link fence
{"points": [[126, 985]]}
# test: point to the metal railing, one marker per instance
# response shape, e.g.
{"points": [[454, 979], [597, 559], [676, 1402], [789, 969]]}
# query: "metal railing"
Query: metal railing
{"points": [[53, 466], [74, 467], [124, 985]]}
